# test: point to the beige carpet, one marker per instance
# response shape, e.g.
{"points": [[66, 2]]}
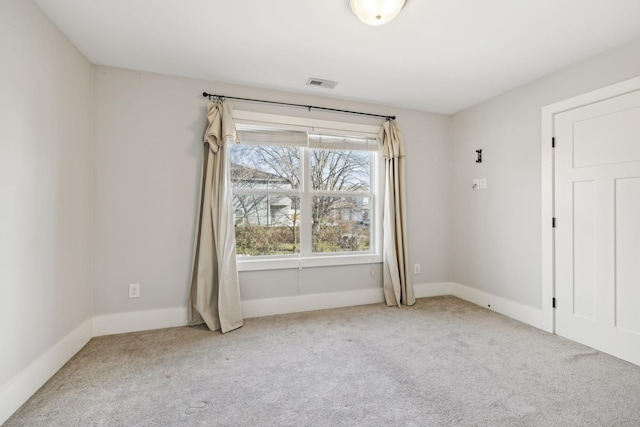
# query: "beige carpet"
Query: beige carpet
{"points": [[443, 362]]}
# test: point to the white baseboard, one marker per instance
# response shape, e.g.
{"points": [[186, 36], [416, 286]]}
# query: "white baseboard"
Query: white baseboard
{"points": [[17, 391], [299, 303], [523, 313], [134, 321], [433, 289], [155, 319]]}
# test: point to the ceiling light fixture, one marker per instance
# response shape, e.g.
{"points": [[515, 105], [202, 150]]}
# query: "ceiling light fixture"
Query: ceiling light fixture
{"points": [[376, 12]]}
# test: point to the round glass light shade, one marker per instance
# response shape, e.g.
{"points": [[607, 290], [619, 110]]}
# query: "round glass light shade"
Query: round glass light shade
{"points": [[376, 12]]}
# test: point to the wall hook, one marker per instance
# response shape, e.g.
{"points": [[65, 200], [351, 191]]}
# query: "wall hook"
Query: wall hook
{"points": [[479, 152]]}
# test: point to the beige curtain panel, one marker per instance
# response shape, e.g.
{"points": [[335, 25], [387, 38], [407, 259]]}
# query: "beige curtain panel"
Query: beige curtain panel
{"points": [[397, 284], [215, 289]]}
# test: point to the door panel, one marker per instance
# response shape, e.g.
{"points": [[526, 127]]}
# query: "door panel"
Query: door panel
{"points": [[597, 238], [627, 250], [584, 254], [619, 129]]}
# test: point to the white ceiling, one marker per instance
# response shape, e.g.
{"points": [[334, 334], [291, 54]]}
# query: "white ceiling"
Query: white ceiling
{"points": [[438, 55]]}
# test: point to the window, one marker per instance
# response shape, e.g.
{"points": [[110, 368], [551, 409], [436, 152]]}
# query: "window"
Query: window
{"points": [[304, 192]]}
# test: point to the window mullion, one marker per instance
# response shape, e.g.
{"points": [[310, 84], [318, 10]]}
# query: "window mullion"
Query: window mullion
{"points": [[306, 203], [377, 201]]}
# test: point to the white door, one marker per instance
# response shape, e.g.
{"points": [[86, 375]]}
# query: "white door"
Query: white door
{"points": [[597, 234]]}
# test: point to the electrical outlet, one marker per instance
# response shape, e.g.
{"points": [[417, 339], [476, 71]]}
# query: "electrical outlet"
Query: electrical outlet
{"points": [[416, 268], [134, 290], [482, 183]]}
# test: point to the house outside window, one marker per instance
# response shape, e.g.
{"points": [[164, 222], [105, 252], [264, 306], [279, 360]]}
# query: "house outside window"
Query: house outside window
{"points": [[305, 192]]}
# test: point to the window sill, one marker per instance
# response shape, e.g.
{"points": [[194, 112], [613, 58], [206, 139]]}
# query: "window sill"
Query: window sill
{"points": [[280, 263]]}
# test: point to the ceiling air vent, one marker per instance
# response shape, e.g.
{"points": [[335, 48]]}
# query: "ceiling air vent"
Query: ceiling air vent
{"points": [[327, 84]]}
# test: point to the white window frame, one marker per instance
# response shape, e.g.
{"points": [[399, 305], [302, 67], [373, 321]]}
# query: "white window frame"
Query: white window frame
{"points": [[374, 255]]}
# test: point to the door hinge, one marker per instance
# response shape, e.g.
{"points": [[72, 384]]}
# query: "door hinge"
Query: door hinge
{"points": [[553, 142], [553, 302], [553, 222]]}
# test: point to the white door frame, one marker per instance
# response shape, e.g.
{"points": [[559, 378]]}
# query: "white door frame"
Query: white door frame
{"points": [[547, 184]]}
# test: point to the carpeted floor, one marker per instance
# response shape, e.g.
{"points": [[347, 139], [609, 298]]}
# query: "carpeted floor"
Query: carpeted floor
{"points": [[442, 362]]}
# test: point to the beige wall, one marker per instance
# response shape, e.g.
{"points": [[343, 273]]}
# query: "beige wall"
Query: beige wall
{"points": [[45, 187], [148, 154], [497, 234]]}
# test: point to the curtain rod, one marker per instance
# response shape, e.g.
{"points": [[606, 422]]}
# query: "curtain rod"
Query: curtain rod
{"points": [[309, 107]]}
